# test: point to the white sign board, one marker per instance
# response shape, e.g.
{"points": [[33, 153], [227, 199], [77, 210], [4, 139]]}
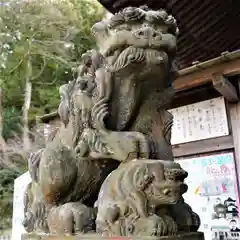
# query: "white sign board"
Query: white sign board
{"points": [[213, 194], [20, 185], [198, 121]]}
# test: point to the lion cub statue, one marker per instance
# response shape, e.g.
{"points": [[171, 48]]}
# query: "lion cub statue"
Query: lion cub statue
{"points": [[138, 199]]}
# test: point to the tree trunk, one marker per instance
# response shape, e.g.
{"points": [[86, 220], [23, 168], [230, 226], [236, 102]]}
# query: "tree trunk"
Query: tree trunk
{"points": [[28, 92], [2, 141]]}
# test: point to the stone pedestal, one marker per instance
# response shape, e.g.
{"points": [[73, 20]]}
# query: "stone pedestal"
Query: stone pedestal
{"points": [[187, 236]]}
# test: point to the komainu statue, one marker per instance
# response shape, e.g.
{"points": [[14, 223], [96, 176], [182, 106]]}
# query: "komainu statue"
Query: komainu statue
{"points": [[139, 194], [109, 169]]}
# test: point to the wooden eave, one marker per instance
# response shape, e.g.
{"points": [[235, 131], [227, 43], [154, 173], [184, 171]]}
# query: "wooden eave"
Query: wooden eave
{"points": [[228, 64]]}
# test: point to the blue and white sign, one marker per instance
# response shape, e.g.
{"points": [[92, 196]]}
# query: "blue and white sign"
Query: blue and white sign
{"points": [[213, 194]]}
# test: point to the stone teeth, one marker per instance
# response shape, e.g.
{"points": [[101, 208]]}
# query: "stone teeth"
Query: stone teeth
{"points": [[160, 59], [131, 57]]}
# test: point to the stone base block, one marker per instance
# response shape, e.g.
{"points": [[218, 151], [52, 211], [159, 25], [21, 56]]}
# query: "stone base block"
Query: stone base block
{"points": [[186, 236]]}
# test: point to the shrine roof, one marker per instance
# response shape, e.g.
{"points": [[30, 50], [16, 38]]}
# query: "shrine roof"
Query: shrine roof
{"points": [[207, 28]]}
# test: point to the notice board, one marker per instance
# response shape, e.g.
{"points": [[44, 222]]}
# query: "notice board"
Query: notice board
{"points": [[213, 194], [198, 121]]}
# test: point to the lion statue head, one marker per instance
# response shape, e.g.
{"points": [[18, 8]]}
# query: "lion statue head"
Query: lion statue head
{"points": [[139, 40]]}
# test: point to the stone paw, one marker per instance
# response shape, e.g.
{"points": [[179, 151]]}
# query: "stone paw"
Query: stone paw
{"points": [[151, 226], [155, 226], [172, 227], [71, 219], [158, 225]]}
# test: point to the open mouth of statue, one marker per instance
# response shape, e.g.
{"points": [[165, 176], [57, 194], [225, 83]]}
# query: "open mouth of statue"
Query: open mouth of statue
{"points": [[171, 193], [123, 56], [119, 47]]}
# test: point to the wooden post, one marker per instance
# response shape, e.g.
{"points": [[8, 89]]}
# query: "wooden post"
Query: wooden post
{"points": [[235, 124]]}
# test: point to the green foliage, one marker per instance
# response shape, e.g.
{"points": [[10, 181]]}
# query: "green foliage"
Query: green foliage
{"points": [[41, 41], [7, 176], [11, 123], [6, 194], [12, 164]]}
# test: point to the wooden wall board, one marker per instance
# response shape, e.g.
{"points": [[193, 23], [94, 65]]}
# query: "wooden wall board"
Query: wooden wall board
{"points": [[203, 146]]}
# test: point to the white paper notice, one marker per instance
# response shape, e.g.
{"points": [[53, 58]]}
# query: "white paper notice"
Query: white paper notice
{"points": [[198, 121]]}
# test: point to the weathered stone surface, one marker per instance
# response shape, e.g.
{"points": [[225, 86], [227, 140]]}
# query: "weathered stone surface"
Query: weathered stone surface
{"points": [[136, 199], [115, 128], [185, 236]]}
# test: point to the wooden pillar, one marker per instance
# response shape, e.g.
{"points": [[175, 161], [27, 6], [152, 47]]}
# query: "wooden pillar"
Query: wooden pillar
{"points": [[234, 110]]}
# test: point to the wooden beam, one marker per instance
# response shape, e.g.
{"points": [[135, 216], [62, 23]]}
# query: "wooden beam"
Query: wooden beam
{"points": [[204, 76], [224, 87], [203, 146]]}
